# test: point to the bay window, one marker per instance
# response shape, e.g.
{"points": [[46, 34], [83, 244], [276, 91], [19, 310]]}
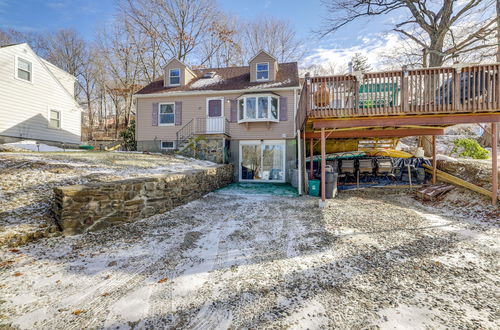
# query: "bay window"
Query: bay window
{"points": [[261, 107]]}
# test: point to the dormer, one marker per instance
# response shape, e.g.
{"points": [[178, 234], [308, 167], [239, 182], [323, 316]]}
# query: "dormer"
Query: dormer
{"points": [[177, 74], [263, 67]]}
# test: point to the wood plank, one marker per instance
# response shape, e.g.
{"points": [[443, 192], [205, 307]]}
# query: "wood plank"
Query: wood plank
{"points": [[457, 181], [377, 133], [409, 120]]}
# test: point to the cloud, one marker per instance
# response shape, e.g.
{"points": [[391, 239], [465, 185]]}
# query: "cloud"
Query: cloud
{"points": [[372, 46]]}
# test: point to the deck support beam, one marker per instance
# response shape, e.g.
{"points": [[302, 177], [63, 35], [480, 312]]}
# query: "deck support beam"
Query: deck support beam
{"points": [[323, 165], [407, 120], [434, 159], [494, 163], [311, 158], [378, 133]]}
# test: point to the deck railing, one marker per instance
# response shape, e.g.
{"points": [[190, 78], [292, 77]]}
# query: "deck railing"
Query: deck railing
{"points": [[463, 89]]}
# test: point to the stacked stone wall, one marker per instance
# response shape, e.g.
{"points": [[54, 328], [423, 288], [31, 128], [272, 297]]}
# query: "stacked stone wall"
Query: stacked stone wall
{"points": [[95, 206]]}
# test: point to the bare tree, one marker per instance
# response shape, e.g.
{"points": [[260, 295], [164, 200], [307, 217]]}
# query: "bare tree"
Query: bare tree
{"points": [[222, 47], [433, 26], [66, 50], [120, 48], [277, 37], [177, 26], [324, 69]]}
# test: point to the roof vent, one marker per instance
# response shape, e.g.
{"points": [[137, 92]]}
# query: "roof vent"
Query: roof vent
{"points": [[208, 75]]}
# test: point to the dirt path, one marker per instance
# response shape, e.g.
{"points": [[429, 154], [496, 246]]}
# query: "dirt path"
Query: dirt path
{"points": [[260, 262]]}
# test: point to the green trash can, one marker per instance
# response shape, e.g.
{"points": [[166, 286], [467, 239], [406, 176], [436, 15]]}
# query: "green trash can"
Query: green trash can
{"points": [[314, 186]]}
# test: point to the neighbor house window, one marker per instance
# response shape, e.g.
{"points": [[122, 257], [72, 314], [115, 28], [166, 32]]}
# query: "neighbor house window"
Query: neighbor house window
{"points": [[54, 119], [24, 69], [262, 107], [262, 71], [167, 144], [175, 77], [166, 114]]}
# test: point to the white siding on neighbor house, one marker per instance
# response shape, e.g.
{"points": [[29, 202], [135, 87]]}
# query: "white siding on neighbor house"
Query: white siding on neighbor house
{"points": [[24, 106], [68, 81]]}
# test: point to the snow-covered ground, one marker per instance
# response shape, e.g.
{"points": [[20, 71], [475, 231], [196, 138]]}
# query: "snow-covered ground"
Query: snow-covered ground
{"points": [[27, 180], [370, 259]]}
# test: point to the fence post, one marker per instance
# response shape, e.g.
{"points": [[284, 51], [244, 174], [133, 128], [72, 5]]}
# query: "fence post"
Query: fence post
{"points": [[404, 89]]}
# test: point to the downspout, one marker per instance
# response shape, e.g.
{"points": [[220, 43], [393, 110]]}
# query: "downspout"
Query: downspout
{"points": [[299, 165]]}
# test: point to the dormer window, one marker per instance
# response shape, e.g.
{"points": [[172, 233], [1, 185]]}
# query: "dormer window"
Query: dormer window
{"points": [[175, 77], [263, 71]]}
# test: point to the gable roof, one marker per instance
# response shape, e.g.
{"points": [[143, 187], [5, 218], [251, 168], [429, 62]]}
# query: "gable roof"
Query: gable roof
{"points": [[182, 63], [260, 52], [44, 65], [231, 78]]}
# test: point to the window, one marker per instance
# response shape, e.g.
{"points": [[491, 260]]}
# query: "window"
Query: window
{"points": [[54, 118], [258, 108], [166, 114], [262, 71], [175, 77], [24, 69], [167, 144]]}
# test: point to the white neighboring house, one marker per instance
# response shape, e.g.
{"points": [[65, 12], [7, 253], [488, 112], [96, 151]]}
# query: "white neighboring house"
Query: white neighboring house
{"points": [[36, 99]]}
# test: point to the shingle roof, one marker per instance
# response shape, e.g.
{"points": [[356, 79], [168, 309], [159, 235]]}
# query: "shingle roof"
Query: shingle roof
{"points": [[231, 78]]}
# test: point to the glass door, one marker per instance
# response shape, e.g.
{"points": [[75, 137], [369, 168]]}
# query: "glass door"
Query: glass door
{"points": [[262, 161]]}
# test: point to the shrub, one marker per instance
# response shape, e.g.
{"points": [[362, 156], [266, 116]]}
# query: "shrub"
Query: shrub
{"points": [[468, 147], [128, 137]]}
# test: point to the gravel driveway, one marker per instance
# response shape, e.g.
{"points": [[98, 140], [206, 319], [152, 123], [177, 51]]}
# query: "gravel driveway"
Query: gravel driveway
{"points": [[369, 259]]}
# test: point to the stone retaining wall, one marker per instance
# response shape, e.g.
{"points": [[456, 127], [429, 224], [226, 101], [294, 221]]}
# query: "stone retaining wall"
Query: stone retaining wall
{"points": [[94, 206]]}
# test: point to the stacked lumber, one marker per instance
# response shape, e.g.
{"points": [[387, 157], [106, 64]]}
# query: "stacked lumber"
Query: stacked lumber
{"points": [[443, 176], [433, 193]]}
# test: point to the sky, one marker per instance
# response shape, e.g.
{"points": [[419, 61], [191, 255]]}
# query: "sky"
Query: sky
{"points": [[306, 16]]}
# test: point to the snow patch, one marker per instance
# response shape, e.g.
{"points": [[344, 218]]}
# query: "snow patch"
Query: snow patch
{"points": [[206, 82]]}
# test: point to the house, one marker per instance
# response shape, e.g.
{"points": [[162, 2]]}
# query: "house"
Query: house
{"points": [[37, 99], [242, 115]]}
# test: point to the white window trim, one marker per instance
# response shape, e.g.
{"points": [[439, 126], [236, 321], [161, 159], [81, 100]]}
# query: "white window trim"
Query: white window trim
{"points": [[268, 119], [257, 71], [159, 113], [215, 98], [161, 145], [261, 142], [170, 75], [60, 118], [16, 65]]}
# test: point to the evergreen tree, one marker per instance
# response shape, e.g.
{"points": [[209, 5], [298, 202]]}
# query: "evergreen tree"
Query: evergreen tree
{"points": [[360, 63]]}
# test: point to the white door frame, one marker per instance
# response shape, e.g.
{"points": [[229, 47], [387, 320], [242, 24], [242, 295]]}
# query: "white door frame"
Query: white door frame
{"points": [[260, 143], [218, 123]]}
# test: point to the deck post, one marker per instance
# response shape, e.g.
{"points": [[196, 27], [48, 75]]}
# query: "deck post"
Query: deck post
{"points": [[311, 159], [494, 162], [323, 165], [434, 159]]}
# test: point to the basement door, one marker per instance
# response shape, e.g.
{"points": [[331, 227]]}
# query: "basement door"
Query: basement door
{"points": [[262, 161]]}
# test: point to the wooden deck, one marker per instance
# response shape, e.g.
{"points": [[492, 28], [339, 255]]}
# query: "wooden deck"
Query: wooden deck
{"points": [[432, 91], [395, 104]]}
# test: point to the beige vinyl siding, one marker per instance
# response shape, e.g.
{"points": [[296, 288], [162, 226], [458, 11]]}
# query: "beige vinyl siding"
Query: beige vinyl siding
{"points": [[186, 74], [263, 58], [24, 106], [194, 106]]}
